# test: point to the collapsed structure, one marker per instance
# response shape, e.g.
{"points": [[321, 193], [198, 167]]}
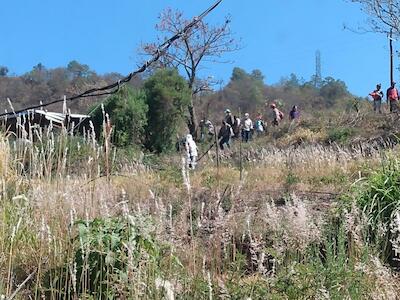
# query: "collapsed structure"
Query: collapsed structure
{"points": [[26, 122]]}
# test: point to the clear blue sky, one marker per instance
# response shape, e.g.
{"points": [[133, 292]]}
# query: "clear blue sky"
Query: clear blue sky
{"points": [[279, 37]]}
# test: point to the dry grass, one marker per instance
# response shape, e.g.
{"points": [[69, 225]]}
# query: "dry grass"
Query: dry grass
{"points": [[242, 231]]}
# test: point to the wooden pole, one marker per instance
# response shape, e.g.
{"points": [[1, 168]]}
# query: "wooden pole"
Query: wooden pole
{"points": [[216, 147], [240, 149]]}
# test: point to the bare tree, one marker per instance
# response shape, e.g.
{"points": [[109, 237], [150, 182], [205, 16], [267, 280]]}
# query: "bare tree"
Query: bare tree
{"points": [[204, 43], [384, 15]]}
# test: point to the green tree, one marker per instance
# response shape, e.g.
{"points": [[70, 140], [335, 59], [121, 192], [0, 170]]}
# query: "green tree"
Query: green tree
{"points": [[78, 70], [246, 90], [3, 71], [204, 43], [168, 96], [333, 90], [38, 75], [127, 110]]}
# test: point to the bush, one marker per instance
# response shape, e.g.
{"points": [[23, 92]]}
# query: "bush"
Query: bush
{"points": [[110, 255], [128, 113], [167, 96], [378, 196], [340, 135]]}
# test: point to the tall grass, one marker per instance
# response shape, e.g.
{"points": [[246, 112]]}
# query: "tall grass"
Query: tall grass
{"points": [[79, 221]]}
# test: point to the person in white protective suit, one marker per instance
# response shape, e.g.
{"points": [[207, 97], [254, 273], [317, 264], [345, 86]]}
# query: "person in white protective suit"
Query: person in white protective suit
{"points": [[191, 151]]}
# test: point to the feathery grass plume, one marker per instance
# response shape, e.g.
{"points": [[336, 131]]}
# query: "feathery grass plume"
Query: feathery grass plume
{"points": [[210, 288], [167, 286], [395, 233]]}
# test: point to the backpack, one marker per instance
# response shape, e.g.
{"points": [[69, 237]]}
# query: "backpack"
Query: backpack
{"points": [[259, 125], [281, 115]]}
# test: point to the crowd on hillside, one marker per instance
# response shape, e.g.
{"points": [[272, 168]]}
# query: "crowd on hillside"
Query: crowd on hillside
{"points": [[235, 128]]}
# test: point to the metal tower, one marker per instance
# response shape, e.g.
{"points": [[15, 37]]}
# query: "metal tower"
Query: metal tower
{"points": [[318, 75]]}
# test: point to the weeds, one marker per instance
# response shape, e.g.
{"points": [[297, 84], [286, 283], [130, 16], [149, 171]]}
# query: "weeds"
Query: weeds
{"points": [[68, 229]]}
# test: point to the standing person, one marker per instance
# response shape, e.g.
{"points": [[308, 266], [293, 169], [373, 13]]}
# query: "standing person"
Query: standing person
{"points": [[294, 114], [191, 151], [392, 98], [210, 129], [224, 135], [229, 119], [259, 125], [236, 127], [277, 115], [247, 128], [377, 95]]}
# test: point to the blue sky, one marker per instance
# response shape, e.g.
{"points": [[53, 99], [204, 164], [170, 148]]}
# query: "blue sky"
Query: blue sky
{"points": [[279, 37]]}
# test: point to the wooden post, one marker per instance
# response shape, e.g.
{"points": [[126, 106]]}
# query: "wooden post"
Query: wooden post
{"points": [[240, 149], [216, 147]]}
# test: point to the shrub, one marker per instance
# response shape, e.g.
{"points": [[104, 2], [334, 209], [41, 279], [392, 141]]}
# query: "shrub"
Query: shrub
{"points": [[340, 135], [128, 113], [109, 257], [167, 96], [378, 196]]}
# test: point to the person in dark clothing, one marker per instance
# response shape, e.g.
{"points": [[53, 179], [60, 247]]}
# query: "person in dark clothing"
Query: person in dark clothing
{"points": [[236, 127], [377, 96], [224, 135], [229, 119], [392, 98], [294, 114]]}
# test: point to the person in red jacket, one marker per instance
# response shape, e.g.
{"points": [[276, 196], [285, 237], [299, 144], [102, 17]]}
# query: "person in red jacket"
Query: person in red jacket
{"points": [[392, 98], [377, 96]]}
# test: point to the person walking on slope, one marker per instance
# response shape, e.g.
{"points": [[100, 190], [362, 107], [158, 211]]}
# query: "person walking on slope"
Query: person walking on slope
{"points": [[277, 115], [236, 127], [377, 96], [294, 114], [247, 128], [207, 130], [224, 135], [191, 151], [392, 98], [229, 119], [259, 125]]}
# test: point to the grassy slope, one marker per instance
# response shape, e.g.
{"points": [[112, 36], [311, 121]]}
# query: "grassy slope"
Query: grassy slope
{"points": [[272, 234]]}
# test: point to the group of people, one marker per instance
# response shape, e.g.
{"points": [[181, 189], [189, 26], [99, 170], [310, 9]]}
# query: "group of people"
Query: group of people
{"points": [[392, 98], [233, 127]]}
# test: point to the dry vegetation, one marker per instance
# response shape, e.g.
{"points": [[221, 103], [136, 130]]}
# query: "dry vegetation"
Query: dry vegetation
{"points": [[291, 226]]}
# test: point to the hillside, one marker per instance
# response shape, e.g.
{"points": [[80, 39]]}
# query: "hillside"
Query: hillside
{"points": [[284, 216]]}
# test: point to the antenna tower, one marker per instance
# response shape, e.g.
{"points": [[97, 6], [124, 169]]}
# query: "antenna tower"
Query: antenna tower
{"points": [[318, 75]]}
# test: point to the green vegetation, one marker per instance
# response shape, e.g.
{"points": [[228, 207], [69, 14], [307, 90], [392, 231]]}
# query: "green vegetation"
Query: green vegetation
{"points": [[167, 96], [127, 111], [340, 135], [377, 196], [75, 234]]}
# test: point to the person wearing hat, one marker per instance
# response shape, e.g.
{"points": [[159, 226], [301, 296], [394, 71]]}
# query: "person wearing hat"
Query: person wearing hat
{"points": [[247, 128], [229, 119], [377, 96], [392, 98]]}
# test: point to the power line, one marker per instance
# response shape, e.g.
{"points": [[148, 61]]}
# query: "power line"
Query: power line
{"points": [[114, 87]]}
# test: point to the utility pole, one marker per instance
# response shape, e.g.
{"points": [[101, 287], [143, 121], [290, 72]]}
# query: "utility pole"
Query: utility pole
{"points": [[391, 54]]}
